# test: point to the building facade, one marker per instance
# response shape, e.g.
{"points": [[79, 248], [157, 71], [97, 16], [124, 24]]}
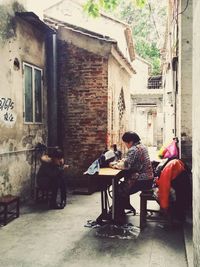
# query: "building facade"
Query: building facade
{"points": [[146, 104], [23, 105], [94, 74], [177, 77], [195, 131]]}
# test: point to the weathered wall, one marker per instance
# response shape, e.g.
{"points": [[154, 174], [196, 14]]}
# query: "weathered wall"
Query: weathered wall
{"points": [[170, 76], [178, 78], [195, 132], [147, 116], [185, 81], [146, 106], [169, 105], [140, 79], [119, 92], [17, 138], [83, 100]]}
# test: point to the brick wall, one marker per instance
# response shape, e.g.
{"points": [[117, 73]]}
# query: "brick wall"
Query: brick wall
{"points": [[82, 104]]}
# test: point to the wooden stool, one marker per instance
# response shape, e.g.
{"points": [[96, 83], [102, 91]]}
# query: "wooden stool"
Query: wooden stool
{"points": [[144, 197], [42, 194], [9, 208]]}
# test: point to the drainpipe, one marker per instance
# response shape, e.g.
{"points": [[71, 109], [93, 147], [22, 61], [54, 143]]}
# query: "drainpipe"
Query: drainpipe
{"points": [[175, 82], [175, 69], [52, 98]]}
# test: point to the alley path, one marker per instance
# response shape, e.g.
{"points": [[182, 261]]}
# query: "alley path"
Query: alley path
{"points": [[58, 238]]}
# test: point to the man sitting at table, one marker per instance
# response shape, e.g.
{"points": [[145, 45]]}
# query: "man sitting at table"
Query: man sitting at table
{"points": [[138, 172]]}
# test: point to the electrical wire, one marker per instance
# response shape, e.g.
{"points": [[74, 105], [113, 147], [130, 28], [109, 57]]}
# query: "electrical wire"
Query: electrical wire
{"points": [[183, 9], [150, 9], [186, 6]]}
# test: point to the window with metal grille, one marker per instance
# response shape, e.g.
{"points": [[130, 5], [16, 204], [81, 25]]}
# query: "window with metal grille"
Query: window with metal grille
{"points": [[121, 104], [32, 94]]}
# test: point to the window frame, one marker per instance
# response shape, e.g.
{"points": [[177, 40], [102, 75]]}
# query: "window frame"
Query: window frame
{"points": [[33, 68]]}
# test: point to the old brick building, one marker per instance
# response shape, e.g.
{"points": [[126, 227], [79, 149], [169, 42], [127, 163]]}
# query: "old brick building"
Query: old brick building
{"points": [[94, 73]]}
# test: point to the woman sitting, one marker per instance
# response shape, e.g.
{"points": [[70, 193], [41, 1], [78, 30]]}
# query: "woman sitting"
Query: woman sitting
{"points": [[51, 177]]}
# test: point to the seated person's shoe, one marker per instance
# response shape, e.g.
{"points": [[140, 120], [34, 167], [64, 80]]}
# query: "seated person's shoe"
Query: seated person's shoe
{"points": [[130, 209], [63, 203]]}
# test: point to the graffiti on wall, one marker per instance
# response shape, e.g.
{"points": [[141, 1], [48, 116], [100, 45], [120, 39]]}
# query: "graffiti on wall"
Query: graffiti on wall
{"points": [[7, 115]]}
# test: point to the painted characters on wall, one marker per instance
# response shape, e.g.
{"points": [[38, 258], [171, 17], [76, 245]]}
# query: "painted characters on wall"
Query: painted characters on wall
{"points": [[7, 115]]}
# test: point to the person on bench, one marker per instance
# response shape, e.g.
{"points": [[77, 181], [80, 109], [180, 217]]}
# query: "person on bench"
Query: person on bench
{"points": [[51, 176], [138, 173]]}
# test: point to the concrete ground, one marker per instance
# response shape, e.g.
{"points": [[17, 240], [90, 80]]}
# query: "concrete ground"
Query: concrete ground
{"points": [[58, 238]]}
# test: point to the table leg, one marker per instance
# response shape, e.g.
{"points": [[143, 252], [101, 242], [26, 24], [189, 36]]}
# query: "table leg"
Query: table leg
{"points": [[104, 207], [114, 199], [17, 208], [104, 202], [5, 214]]}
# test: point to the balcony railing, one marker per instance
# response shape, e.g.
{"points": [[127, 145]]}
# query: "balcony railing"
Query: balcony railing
{"points": [[155, 82]]}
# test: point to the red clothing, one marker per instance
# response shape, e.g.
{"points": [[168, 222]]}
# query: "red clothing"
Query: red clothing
{"points": [[169, 173]]}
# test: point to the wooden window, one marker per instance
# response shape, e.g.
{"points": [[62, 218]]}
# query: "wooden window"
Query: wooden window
{"points": [[32, 94]]}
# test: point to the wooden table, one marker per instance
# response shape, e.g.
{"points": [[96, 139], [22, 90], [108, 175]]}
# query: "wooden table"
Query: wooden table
{"points": [[108, 176]]}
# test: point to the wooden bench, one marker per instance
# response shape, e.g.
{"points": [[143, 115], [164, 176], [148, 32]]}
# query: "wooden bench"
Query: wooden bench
{"points": [[9, 208], [144, 197]]}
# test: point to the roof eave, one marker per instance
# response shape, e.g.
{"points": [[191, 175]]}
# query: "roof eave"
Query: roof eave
{"points": [[33, 19]]}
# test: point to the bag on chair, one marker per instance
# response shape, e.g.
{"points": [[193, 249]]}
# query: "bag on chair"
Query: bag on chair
{"points": [[170, 151]]}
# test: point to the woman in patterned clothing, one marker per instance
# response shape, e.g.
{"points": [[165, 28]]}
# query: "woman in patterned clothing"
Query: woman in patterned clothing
{"points": [[138, 171]]}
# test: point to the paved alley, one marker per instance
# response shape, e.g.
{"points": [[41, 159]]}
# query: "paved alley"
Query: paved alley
{"points": [[58, 238]]}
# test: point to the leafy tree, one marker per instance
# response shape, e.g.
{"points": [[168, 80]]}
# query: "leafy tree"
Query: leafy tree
{"points": [[148, 27], [93, 7], [144, 17]]}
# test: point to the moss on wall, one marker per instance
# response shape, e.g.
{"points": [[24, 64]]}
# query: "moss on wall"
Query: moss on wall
{"points": [[5, 186], [7, 22]]}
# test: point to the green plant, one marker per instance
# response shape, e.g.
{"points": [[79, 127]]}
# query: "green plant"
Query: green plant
{"points": [[6, 186], [148, 27], [147, 20], [93, 7]]}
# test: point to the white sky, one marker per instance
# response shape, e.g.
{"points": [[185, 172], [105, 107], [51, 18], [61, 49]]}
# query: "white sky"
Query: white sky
{"points": [[37, 6]]}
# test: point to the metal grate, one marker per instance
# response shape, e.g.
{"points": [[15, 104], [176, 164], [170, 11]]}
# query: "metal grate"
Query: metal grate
{"points": [[155, 82]]}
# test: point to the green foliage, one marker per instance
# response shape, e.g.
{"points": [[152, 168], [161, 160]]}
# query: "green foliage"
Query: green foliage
{"points": [[148, 25], [7, 24], [93, 7], [156, 62], [151, 53], [142, 16], [147, 50], [139, 3]]}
